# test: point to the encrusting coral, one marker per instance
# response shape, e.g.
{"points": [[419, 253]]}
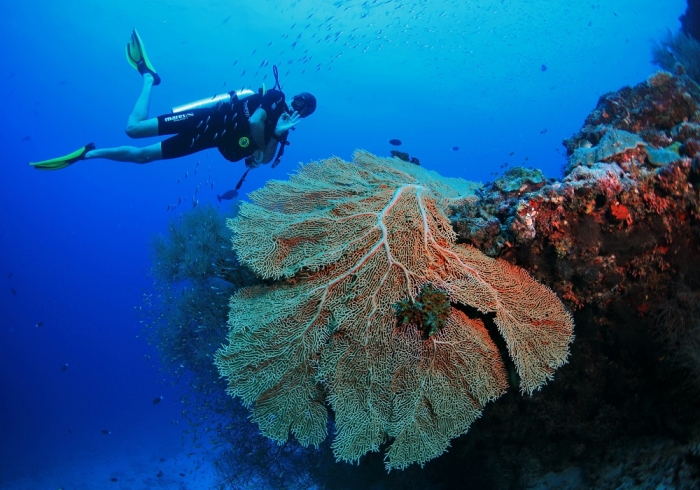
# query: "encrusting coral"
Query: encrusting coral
{"points": [[429, 312], [347, 242]]}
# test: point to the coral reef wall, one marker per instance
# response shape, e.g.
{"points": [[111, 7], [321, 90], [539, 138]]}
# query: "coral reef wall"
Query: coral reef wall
{"points": [[618, 238], [624, 215], [690, 20]]}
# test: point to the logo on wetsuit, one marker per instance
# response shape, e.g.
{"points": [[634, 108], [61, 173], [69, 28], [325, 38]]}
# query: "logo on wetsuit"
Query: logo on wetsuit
{"points": [[179, 117], [243, 142]]}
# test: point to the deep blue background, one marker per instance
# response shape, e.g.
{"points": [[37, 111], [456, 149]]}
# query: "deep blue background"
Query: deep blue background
{"points": [[76, 242]]}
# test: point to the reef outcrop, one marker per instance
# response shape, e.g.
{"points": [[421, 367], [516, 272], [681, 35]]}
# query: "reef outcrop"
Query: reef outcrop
{"points": [[618, 239], [625, 214]]}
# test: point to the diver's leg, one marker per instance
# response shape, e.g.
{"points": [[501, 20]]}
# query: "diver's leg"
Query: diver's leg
{"points": [[138, 125], [128, 154]]}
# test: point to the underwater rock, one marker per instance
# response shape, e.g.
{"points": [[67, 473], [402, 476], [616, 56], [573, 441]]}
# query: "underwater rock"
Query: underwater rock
{"points": [[661, 103], [623, 219], [690, 20], [662, 156], [686, 131], [613, 142], [520, 180]]}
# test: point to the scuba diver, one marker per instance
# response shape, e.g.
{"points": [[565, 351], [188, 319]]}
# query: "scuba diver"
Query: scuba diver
{"points": [[241, 125]]}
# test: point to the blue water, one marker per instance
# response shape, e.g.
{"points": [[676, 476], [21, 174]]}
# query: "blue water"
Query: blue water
{"points": [[74, 244]]}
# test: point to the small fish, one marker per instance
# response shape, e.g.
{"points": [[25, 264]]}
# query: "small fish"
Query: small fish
{"points": [[504, 164], [543, 131], [455, 148], [26, 138], [12, 290], [228, 195], [543, 67], [64, 368], [162, 460], [181, 474], [511, 153], [156, 401], [395, 142], [39, 324], [106, 432], [226, 19], [160, 474], [113, 479]]}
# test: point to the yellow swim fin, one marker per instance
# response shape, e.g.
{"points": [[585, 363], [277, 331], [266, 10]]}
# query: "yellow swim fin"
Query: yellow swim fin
{"points": [[137, 57], [64, 161]]}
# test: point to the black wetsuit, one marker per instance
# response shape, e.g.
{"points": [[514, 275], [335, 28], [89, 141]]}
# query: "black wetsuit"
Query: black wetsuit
{"points": [[224, 126]]}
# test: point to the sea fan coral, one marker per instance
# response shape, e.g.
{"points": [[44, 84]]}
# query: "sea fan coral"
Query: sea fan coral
{"points": [[348, 241], [676, 49]]}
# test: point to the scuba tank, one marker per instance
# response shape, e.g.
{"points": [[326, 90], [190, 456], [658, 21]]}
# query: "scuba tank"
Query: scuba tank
{"points": [[212, 101]]}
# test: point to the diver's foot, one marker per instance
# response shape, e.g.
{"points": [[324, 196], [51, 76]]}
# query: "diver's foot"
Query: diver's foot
{"points": [[64, 161], [144, 70]]}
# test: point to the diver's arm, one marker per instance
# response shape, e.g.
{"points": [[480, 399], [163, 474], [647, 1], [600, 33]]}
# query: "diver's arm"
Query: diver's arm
{"points": [[270, 151], [257, 128], [284, 124]]}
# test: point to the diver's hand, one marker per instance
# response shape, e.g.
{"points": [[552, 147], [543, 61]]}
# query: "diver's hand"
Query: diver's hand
{"points": [[287, 122]]}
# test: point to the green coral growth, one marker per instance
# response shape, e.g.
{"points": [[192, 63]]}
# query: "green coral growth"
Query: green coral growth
{"points": [[428, 312]]}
